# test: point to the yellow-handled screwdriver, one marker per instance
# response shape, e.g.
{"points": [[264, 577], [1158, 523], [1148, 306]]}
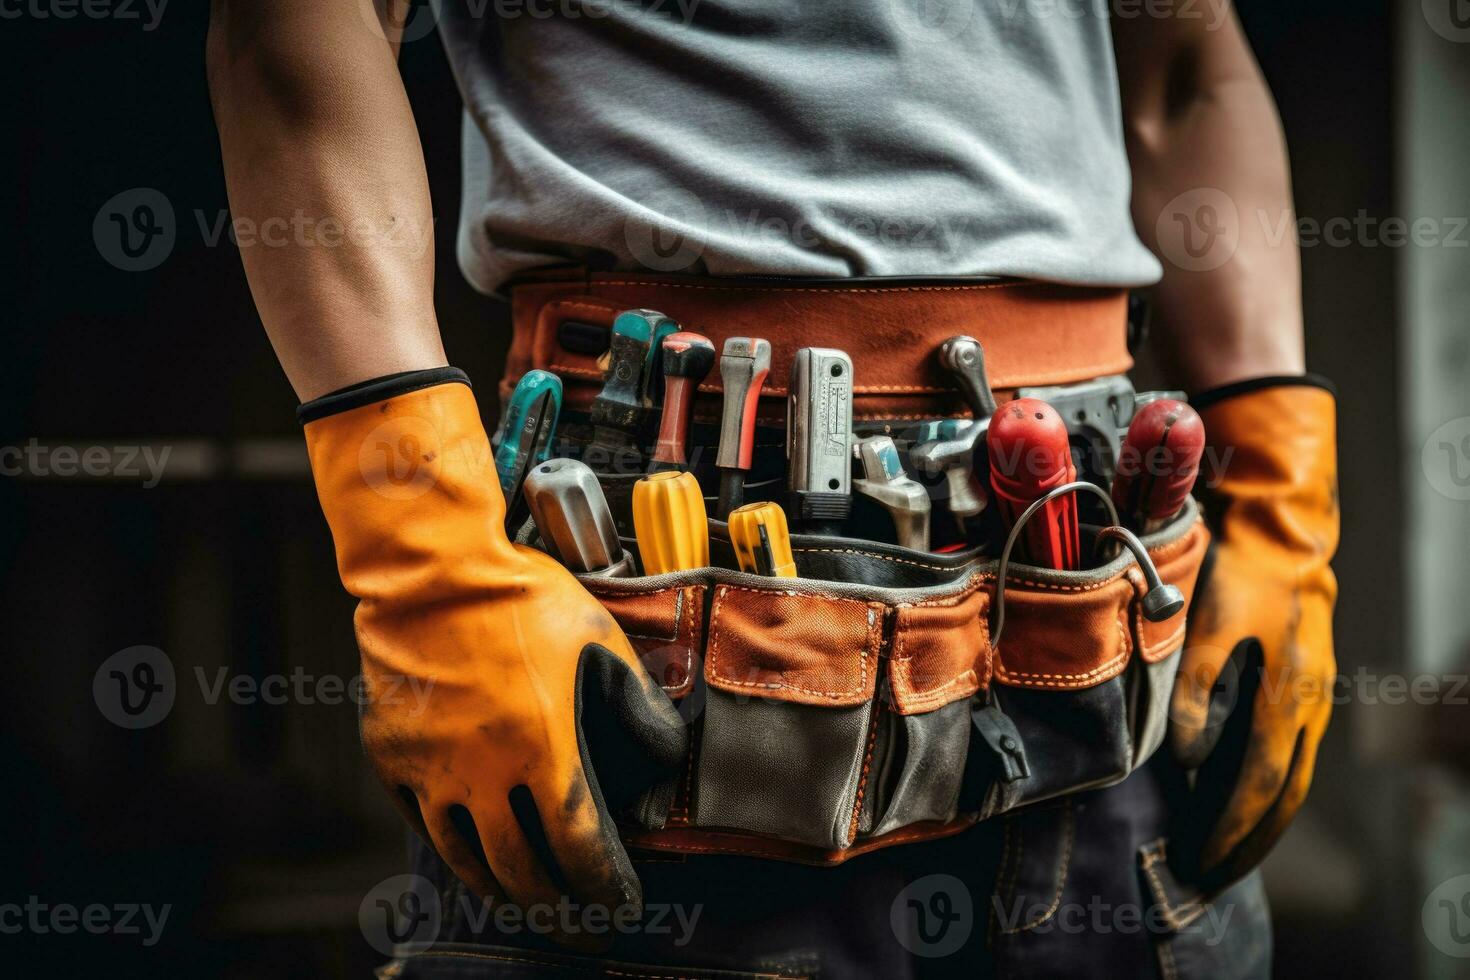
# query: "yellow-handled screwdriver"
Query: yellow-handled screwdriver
{"points": [[762, 542], [670, 523]]}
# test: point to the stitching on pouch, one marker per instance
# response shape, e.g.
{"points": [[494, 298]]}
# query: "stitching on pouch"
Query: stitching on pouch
{"points": [[1049, 586], [870, 554], [857, 808], [1147, 650], [1072, 680], [714, 648]]}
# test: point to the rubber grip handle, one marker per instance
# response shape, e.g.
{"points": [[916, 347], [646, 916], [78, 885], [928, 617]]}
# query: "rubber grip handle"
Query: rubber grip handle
{"points": [[1158, 462], [1030, 455]]}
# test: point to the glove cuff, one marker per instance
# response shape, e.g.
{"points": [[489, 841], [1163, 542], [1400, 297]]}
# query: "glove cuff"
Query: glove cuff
{"points": [[1214, 396], [376, 390]]}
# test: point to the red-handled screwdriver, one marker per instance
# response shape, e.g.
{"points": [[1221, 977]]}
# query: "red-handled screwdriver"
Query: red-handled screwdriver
{"points": [[1158, 463], [687, 358], [1030, 456]]}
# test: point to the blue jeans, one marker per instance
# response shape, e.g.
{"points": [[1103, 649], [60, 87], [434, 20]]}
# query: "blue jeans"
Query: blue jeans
{"points": [[1075, 887]]}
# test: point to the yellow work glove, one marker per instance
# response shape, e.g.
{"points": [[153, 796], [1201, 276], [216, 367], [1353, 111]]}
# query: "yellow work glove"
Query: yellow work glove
{"points": [[497, 688], [1255, 681]]}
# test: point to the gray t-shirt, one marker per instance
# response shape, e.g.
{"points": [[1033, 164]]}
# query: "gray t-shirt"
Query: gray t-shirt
{"points": [[833, 138]]}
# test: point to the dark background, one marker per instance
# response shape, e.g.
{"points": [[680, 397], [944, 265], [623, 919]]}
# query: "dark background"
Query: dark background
{"points": [[259, 824]]}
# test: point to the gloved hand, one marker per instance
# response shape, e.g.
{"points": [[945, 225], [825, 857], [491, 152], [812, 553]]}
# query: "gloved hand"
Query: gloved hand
{"points": [[497, 688], [1255, 680]]}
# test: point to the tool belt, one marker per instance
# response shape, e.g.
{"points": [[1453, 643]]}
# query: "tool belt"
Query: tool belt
{"points": [[867, 702], [1034, 333]]}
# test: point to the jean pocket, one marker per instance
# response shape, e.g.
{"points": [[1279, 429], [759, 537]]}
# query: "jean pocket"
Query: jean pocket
{"points": [[1225, 936]]}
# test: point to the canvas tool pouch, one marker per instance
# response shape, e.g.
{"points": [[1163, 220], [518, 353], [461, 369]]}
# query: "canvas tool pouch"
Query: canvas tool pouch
{"points": [[863, 704]]}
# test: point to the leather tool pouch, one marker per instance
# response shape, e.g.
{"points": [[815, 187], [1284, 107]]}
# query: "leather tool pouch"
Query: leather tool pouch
{"points": [[863, 704]]}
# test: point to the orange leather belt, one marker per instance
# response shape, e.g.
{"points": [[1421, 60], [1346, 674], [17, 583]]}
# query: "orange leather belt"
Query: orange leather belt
{"points": [[1033, 333]]}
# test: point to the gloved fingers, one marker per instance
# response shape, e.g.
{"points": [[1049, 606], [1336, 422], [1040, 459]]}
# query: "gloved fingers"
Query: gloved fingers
{"points": [[453, 833], [1218, 774], [628, 730], [541, 878], [1224, 862], [589, 853], [1206, 693]]}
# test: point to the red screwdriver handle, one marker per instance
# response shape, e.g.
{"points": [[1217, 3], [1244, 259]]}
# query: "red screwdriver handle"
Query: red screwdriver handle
{"points": [[687, 358], [1158, 463], [1030, 455]]}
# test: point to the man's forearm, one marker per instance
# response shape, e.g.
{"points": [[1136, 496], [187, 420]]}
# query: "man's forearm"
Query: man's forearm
{"points": [[322, 158], [1209, 159]]}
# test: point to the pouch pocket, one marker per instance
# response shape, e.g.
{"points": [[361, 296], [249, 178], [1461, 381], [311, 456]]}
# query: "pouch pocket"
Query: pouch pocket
{"points": [[832, 716]]}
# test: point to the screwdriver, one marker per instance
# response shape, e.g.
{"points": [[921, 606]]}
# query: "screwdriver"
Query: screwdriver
{"points": [[618, 411], [670, 524], [526, 435], [1030, 455], [687, 358], [744, 364], [571, 512], [761, 540], [884, 480], [1158, 463], [819, 438]]}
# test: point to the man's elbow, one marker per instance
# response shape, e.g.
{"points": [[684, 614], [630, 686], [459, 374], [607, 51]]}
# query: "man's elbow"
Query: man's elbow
{"points": [[255, 57]]}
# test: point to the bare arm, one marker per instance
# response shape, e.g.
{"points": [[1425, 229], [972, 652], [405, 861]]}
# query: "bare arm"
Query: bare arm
{"points": [[325, 170], [1201, 123]]}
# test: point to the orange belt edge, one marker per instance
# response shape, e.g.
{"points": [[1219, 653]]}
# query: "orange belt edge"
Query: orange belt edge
{"points": [[1033, 333]]}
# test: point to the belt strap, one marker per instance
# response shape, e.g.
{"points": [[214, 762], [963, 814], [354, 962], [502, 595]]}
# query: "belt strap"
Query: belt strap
{"points": [[1033, 333]]}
